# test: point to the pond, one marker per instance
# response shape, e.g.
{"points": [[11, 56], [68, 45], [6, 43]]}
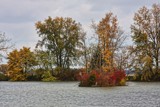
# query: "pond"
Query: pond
{"points": [[68, 94]]}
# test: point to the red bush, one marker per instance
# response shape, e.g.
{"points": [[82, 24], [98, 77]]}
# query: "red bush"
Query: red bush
{"points": [[119, 74], [101, 79]]}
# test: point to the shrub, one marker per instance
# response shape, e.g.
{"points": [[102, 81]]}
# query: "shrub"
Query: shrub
{"points": [[122, 82], [33, 78], [92, 80], [84, 79], [130, 78], [106, 79], [137, 77], [16, 75], [119, 74], [47, 77], [36, 75], [68, 74], [3, 77], [102, 79]]}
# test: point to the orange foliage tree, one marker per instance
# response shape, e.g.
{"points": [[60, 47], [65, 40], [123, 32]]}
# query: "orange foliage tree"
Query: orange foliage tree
{"points": [[20, 62], [146, 38], [110, 40]]}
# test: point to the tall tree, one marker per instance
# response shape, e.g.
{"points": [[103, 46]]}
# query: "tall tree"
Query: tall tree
{"points": [[62, 37], [146, 37], [110, 39]]}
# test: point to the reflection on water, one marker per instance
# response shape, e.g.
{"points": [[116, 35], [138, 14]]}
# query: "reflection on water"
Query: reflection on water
{"points": [[68, 94]]}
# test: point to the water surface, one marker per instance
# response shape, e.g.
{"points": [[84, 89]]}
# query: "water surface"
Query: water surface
{"points": [[68, 94]]}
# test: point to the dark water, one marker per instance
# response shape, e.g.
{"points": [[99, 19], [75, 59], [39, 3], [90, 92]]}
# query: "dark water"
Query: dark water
{"points": [[68, 94]]}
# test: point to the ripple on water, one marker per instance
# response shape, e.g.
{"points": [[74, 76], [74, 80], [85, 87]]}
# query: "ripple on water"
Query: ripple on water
{"points": [[68, 94]]}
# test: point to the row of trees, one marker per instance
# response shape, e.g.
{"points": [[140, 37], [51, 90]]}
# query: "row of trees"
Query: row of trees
{"points": [[63, 45]]}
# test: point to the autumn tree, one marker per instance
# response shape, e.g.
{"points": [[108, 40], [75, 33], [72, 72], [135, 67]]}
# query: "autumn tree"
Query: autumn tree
{"points": [[110, 40], [62, 38], [146, 37], [20, 63]]}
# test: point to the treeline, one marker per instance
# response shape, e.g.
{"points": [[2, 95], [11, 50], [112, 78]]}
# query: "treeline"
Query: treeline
{"points": [[63, 45]]}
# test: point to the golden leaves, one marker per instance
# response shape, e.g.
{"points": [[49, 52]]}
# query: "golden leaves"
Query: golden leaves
{"points": [[19, 62], [107, 31]]}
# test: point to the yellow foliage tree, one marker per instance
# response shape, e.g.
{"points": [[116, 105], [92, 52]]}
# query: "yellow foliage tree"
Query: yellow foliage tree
{"points": [[110, 39], [20, 62]]}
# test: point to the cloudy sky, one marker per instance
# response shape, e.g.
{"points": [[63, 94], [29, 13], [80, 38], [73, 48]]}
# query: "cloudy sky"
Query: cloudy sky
{"points": [[18, 17]]}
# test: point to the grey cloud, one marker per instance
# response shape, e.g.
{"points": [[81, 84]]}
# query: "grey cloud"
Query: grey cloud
{"points": [[17, 17]]}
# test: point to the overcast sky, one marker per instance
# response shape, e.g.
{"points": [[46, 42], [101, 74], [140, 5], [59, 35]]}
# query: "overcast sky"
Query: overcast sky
{"points": [[18, 17]]}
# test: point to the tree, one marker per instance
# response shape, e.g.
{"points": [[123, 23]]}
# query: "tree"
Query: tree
{"points": [[20, 63], [96, 62], [62, 38], [123, 58], [146, 37], [4, 44], [3, 68], [44, 59], [110, 40]]}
